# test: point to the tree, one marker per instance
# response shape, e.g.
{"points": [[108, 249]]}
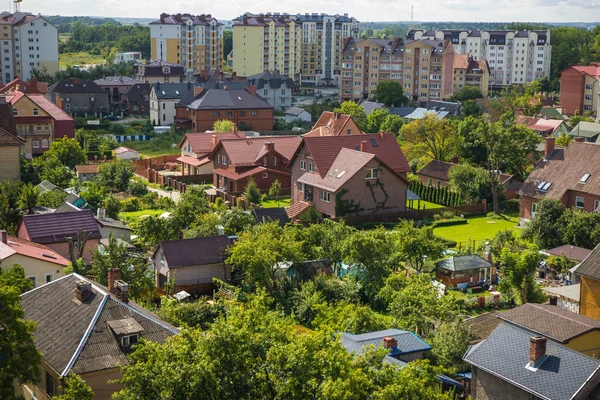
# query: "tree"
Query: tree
{"points": [[112, 206], [392, 123], [252, 192], [152, 229], [236, 221], [223, 125], [473, 183], [15, 277], [20, 359], [66, 151], [191, 204], [471, 108], [449, 344], [205, 225], [376, 119], [431, 137], [355, 111], [509, 147], [198, 314], [52, 170], [576, 119], [109, 54], [115, 174], [10, 212], [416, 245], [564, 140], [325, 240], [542, 229], [73, 387], [390, 93], [275, 189], [468, 92], [517, 272], [30, 195], [52, 198], [93, 193]]}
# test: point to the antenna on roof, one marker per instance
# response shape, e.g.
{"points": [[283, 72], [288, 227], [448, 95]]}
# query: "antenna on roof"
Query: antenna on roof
{"points": [[412, 15], [17, 6]]}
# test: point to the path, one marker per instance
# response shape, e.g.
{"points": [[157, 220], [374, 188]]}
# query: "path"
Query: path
{"points": [[174, 195]]}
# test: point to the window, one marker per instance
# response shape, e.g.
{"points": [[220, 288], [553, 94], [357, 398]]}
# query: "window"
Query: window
{"points": [[216, 114], [428, 181], [229, 114], [46, 127], [310, 167], [348, 131], [164, 106], [588, 86], [325, 196], [242, 113], [265, 175], [254, 113], [218, 159], [15, 112], [534, 208], [596, 205], [45, 143], [265, 161], [36, 144], [38, 127], [302, 165], [372, 173], [299, 186], [579, 201], [33, 279], [50, 386], [129, 340], [48, 278]]}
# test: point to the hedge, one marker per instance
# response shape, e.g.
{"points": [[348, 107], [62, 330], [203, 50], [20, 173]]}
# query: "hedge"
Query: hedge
{"points": [[441, 195], [451, 222]]}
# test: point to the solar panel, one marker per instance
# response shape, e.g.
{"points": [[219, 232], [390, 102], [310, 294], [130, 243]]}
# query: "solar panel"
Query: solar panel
{"points": [[547, 186]]}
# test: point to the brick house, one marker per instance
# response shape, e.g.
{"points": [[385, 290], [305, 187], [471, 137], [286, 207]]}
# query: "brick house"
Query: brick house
{"points": [[195, 148], [588, 273], [334, 124], [570, 174], [241, 106], [116, 87], [264, 158], [354, 174], [579, 86]]}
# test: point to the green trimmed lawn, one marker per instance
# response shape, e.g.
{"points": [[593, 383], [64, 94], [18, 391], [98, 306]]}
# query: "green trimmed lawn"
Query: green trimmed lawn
{"points": [[133, 215], [276, 203], [424, 205], [478, 228]]}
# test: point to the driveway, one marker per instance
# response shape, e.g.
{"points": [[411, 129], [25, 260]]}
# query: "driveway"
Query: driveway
{"points": [[173, 195]]}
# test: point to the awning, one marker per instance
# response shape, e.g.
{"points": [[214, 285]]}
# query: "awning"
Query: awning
{"points": [[410, 195], [192, 161]]}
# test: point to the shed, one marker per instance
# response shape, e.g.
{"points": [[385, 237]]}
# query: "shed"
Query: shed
{"points": [[294, 113], [464, 270]]}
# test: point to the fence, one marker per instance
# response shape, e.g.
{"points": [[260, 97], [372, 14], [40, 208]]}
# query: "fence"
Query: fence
{"points": [[150, 168], [466, 209]]}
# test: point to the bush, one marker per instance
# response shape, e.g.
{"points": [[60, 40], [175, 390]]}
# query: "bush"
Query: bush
{"points": [[130, 205], [452, 222], [448, 215], [510, 206], [137, 188], [219, 202]]}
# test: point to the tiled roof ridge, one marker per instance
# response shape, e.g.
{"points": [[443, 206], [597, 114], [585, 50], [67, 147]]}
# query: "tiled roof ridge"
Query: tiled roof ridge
{"points": [[556, 314]]}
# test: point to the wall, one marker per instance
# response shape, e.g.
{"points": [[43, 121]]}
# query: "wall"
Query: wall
{"points": [[35, 268], [572, 84], [485, 386], [62, 248], [457, 278], [203, 120], [101, 383], [200, 274], [10, 167], [165, 115], [589, 304], [588, 344], [118, 233], [45, 47], [248, 50], [588, 200], [525, 205]]}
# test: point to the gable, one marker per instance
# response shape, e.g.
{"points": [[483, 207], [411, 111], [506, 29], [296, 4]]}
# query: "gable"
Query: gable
{"points": [[25, 106]]}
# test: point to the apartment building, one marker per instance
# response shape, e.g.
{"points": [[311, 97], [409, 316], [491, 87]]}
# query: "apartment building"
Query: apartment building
{"points": [[322, 40], [514, 57], [579, 88], [470, 72], [267, 42], [423, 67], [195, 41], [27, 42]]}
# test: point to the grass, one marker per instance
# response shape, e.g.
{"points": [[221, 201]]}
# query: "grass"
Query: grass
{"points": [[158, 146], [132, 215], [478, 228], [465, 296], [424, 205], [81, 58], [276, 203]]}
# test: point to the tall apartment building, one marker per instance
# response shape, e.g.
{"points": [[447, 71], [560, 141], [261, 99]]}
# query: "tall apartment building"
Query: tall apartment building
{"points": [[514, 57], [306, 47], [271, 42], [195, 41], [424, 68], [322, 40], [27, 42]]}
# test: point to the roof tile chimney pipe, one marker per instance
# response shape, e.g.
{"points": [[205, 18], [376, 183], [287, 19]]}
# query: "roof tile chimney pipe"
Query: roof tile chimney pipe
{"points": [[83, 289], [537, 349], [390, 343], [114, 274], [363, 146], [233, 128], [4, 237], [580, 139], [550, 141], [269, 146], [214, 141]]}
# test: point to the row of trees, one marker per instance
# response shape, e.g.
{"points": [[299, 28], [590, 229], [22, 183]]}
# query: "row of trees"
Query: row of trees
{"points": [[439, 195]]}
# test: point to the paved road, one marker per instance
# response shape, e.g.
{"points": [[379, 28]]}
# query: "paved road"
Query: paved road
{"points": [[174, 195]]}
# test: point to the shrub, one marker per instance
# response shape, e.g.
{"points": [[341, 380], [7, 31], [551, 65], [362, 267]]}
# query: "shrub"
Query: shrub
{"points": [[130, 205], [219, 202], [137, 189], [448, 214], [437, 217]]}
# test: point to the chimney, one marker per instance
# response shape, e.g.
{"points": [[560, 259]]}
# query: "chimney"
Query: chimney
{"points": [[101, 213], [4, 236], [537, 349], [251, 90], [390, 343], [76, 81], [17, 87], [269, 146], [549, 147], [233, 128], [580, 139], [214, 141], [83, 289], [363, 146], [198, 91], [114, 274], [122, 291], [382, 134]]}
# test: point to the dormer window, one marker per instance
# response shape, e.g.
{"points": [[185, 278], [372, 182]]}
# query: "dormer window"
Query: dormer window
{"points": [[166, 70], [127, 332], [129, 340]]}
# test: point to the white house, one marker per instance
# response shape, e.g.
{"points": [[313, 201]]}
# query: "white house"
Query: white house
{"points": [[127, 57], [275, 88], [125, 153], [163, 98], [294, 113]]}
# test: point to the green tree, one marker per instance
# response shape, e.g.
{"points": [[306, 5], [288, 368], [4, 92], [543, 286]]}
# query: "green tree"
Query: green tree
{"points": [[449, 344], [198, 314], [65, 151], [115, 174], [416, 245], [473, 183], [152, 229], [205, 225], [236, 221], [392, 123], [14, 276], [467, 92], [431, 137], [350, 318], [355, 111], [10, 212], [191, 204], [20, 359], [576, 119], [52, 198], [93, 193], [252, 192], [223, 125], [471, 108], [543, 229], [390, 93], [517, 272], [73, 387], [564, 140], [275, 189], [376, 119], [325, 240], [52, 170], [112, 206], [30, 195]]}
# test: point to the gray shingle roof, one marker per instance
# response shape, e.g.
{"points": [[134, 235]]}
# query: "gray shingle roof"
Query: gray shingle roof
{"points": [[271, 79], [505, 353], [197, 251], [57, 227], [294, 111], [271, 214], [590, 267], [75, 335], [171, 90], [463, 263], [212, 99], [408, 342], [76, 86]]}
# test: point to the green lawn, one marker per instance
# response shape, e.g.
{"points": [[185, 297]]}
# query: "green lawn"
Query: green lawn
{"points": [[81, 58], [133, 215], [276, 203], [157, 146], [478, 228], [424, 205]]}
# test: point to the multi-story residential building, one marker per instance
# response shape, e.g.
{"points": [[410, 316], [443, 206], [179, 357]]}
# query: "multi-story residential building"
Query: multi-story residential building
{"points": [[195, 41], [116, 87], [79, 96], [159, 71], [322, 40], [423, 67], [27, 42], [471, 72], [514, 57], [275, 88], [579, 86], [267, 42], [163, 98]]}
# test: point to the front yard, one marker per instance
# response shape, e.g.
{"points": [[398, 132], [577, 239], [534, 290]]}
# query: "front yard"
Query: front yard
{"points": [[478, 228], [276, 203], [423, 205]]}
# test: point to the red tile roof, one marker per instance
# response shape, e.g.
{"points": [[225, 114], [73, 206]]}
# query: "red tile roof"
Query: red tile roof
{"points": [[196, 162], [244, 152], [30, 249], [592, 70], [52, 109], [229, 174], [465, 61], [333, 121], [325, 149], [87, 169], [539, 124], [203, 142]]}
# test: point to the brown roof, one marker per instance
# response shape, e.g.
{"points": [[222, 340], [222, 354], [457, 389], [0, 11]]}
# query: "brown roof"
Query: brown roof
{"points": [[87, 169], [57, 227], [244, 152], [334, 121], [197, 251], [551, 321], [482, 326], [590, 267], [466, 61], [8, 128], [573, 252], [324, 150], [437, 170], [203, 142], [564, 170]]}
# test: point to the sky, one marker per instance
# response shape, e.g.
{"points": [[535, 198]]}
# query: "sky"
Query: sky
{"points": [[363, 10]]}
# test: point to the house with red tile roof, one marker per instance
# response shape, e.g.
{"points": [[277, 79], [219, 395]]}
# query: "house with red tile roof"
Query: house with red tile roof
{"points": [[39, 121], [349, 175], [468, 71], [195, 148], [265, 159], [41, 263], [17, 84], [579, 86], [86, 172], [543, 126], [569, 174], [334, 124]]}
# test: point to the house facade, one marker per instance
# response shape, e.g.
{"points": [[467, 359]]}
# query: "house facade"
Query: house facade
{"points": [[470, 72], [579, 86], [588, 273], [86, 172], [349, 175], [10, 144], [273, 87], [461, 271], [116, 87], [163, 98], [561, 175], [195, 148], [79, 96], [159, 71], [137, 99], [293, 113]]}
